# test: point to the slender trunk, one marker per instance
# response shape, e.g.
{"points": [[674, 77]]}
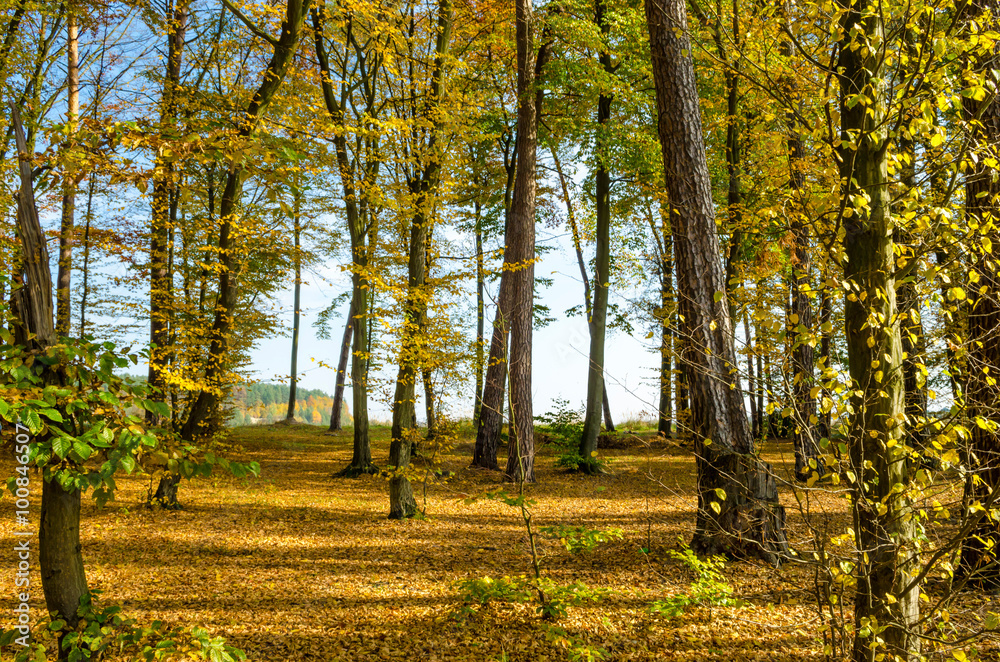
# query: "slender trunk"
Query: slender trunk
{"points": [[85, 271], [206, 404], [804, 441], [751, 379], [491, 411], [602, 263], [749, 522], [160, 294], [64, 277], [429, 404], [982, 208], [480, 317], [883, 521], [826, 331], [345, 353], [425, 190], [360, 229], [491, 408], [297, 298]]}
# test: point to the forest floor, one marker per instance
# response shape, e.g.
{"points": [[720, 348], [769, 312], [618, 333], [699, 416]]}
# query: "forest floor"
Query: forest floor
{"points": [[300, 565]]}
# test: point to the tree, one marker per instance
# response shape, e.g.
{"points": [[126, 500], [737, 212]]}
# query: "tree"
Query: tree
{"points": [[887, 597], [296, 301], [747, 521], [519, 253], [982, 208]]}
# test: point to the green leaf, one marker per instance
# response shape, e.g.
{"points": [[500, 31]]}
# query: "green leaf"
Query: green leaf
{"points": [[61, 447]]}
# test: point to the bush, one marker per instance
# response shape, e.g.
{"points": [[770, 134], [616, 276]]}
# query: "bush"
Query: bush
{"points": [[708, 589], [102, 629]]}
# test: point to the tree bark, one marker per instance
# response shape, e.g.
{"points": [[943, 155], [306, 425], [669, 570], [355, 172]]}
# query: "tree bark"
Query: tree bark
{"points": [[520, 253], [886, 594], [982, 207], [345, 353], [804, 441], [297, 299], [65, 273], [497, 370], [160, 285], [60, 557], [602, 262], [64, 582], [749, 522]]}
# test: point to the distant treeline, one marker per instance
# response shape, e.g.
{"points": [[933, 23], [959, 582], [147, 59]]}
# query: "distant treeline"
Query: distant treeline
{"points": [[268, 403]]}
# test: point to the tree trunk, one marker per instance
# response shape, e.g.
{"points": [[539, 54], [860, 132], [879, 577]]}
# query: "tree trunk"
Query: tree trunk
{"points": [[491, 410], [886, 594], [480, 317], [826, 331], [64, 276], [297, 299], [982, 207], [85, 270], [345, 353], [749, 522], [429, 403], [602, 263], [160, 285], [425, 190], [751, 379], [520, 253], [61, 561], [804, 441], [359, 228], [60, 557]]}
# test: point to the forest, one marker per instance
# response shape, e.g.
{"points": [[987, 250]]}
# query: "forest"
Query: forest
{"points": [[790, 205]]}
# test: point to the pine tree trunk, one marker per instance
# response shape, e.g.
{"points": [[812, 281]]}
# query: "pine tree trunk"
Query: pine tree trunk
{"points": [[64, 276], [749, 522], [884, 528], [521, 252], [491, 410]]}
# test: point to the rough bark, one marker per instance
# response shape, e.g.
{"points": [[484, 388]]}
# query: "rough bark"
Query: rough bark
{"points": [[64, 581], [520, 253], [497, 370], [982, 206], [749, 522], [886, 595]]}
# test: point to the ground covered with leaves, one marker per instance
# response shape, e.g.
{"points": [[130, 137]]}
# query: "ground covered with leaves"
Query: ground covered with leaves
{"points": [[301, 565]]}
